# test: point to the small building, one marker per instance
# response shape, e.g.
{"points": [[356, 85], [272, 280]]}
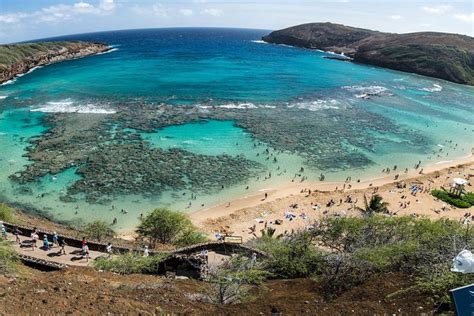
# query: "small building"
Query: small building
{"points": [[457, 188]]}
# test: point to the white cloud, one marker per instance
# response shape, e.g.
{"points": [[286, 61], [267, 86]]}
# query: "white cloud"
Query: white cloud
{"points": [[465, 17], [396, 17], [59, 12], [212, 12], [438, 9], [12, 17], [107, 5], [186, 12], [159, 10]]}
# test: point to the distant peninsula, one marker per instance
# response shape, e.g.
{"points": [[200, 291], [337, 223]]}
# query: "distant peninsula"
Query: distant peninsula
{"points": [[16, 59], [439, 55]]}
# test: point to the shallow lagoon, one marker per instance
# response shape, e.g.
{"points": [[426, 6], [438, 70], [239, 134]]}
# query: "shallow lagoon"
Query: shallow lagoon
{"points": [[227, 68]]}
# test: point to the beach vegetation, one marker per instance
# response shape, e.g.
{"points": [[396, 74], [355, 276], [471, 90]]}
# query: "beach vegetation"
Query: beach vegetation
{"points": [[131, 263], [98, 230], [168, 227], [6, 213], [374, 205], [463, 201]]}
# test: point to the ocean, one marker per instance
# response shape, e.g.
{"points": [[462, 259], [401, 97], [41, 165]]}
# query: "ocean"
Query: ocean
{"points": [[277, 108]]}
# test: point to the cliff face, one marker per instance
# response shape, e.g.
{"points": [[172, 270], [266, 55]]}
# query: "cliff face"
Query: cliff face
{"points": [[439, 55], [19, 58]]}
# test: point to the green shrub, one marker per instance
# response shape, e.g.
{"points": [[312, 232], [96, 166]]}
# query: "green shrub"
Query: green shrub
{"points": [[451, 199], [232, 281], [130, 263], [438, 284], [6, 213], [358, 248], [168, 227], [98, 230], [294, 256]]}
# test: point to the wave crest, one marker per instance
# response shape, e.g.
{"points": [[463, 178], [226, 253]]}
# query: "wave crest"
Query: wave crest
{"points": [[69, 106]]}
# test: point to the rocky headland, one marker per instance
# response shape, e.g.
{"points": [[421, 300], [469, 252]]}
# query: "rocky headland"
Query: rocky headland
{"points": [[16, 59], [440, 55]]}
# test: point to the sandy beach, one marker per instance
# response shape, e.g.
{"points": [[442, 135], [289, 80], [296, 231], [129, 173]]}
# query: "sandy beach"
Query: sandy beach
{"points": [[308, 201]]}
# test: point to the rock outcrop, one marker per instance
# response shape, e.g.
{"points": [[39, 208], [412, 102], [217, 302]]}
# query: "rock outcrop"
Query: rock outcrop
{"points": [[16, 59], [440, 55]]}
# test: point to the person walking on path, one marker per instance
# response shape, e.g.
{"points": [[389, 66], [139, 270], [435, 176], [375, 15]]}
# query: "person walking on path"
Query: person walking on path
{"points": [[55, 239], [4, 232], [17, 233], [146, 252], [85, 252], [109, 250], [61, 244], [34, 238], [46, 245]]}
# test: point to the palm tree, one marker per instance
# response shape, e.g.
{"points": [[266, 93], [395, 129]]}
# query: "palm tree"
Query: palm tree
{"points": [[375, 205]]}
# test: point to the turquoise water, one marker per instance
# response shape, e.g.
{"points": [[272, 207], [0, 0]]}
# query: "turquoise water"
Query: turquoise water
{"points": [[232, 69]]}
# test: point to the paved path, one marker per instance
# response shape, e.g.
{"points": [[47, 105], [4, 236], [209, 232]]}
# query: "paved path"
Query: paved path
{"points": [[72, 257]]}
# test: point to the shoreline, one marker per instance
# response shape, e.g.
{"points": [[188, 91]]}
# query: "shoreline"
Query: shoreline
{"points": [[10, 73], [289, 190], [246, 204]]}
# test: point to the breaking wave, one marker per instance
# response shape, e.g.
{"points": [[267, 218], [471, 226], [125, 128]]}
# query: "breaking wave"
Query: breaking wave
{"points": [[365, 92], [434, 88], [259, 42], [316, 105], [109, 51], [69, 106]]}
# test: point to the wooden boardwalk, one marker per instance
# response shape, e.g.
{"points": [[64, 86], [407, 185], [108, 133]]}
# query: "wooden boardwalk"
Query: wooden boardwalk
{"points": [[73, 256]]}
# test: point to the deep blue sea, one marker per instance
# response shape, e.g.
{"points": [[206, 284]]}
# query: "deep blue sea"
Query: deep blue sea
{"points": [[234, 69]]}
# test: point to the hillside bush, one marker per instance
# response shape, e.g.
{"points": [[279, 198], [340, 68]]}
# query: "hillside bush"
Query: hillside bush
{"points": [[9, 260], [130, 263], [6, 213]]}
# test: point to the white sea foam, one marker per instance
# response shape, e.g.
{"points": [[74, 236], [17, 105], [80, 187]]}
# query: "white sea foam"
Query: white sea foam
{"points": [[434, 88], [238, 106], [11, 81], [365, 92], [109, 51], [259, 42], [3, 97], [69, 106], [316, 105]]}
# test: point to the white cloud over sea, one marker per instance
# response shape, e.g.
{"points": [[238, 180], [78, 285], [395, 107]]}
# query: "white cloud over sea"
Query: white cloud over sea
{"points": [[26, 19]]}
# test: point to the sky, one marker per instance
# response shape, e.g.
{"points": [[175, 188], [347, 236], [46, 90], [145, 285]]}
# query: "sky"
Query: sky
{"points": [[22, 20]]}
